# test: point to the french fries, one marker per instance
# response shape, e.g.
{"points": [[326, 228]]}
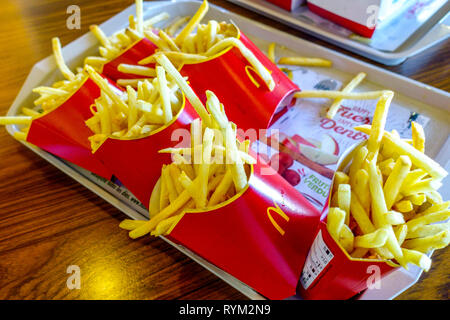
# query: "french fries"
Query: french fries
{"points": [[188, 46], [304, 61], [395, 208], [50, 97], [177, 192], [114, 45], [348, 88], [135, 113]]}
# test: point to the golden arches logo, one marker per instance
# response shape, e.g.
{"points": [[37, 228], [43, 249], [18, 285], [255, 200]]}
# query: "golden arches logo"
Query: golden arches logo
{"points": [[280, 212], [251, 77]]}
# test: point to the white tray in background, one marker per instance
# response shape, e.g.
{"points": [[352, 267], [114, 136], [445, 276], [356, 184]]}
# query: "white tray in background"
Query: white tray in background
{"points": [[429, 101], [433, 31]]}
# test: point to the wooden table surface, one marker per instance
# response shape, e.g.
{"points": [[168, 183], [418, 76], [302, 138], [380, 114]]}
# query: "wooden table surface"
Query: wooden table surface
{"points": [[48, 221]]}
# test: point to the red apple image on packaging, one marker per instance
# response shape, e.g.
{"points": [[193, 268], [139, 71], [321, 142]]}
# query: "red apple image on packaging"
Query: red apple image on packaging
{"points": [[63, 131], [260, 236], [291, 176], [305, 152], [251, 104], [136, 162], [132, 55]]}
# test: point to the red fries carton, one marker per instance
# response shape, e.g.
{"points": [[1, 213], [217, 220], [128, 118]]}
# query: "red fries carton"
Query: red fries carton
{"points": [[63, 131], [359, 16], [289, 5], [261, 236], [250, 104], [132, 55], [136, 162], [330, 273]]}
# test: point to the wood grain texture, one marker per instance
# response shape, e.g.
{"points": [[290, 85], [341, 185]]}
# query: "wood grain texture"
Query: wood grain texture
{"points": [[48, 221]]}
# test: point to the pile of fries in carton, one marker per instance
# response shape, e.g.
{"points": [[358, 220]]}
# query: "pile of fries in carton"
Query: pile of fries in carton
{"points": [[389, 197], [384, 205]]}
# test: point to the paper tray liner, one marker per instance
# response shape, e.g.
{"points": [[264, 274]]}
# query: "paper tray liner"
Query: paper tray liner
{"points": [[135, 53], [227, 75], [241, 236], [63, 131], [136, 162]]}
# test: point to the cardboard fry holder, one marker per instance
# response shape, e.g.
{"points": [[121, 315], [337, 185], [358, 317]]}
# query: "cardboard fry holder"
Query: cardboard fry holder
{"points": [[132, 55], [137, 162], [248, 101], [330, 273], [261, 236], [63, 131], [355, 15]]}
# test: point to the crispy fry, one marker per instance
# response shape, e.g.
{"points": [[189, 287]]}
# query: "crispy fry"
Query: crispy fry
{"points": [[165, 213], [429, 218], [339, 94], [173, 28], [103, 84], [401, 233], [418, 136], [418, 159], [165, 226], [137, 70], [165, 37], [417, 258], [404, 206], [374, 239], [16, 120], [395, 180], [139, 17], [304, 61], [346, 238], [394, 218], [195, 20], [203, 173], [271, 52], [357, 163], [237, 167], [335, 221], [190, 94], [361, 188], [348, 88], [344, 195], [378, 212], [378, 123], [340, 178], [56, 45], [154, 206], [360, 215], [155, 19], [428, 230], [426, 244], [220, 191], [128, 224], [164, 94]]}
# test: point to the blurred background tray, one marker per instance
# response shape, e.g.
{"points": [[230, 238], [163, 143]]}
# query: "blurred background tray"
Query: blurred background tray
{"points": [[435, 28], [429, 101]]}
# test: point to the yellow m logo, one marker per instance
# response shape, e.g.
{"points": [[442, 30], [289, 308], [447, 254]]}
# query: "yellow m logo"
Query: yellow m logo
{"points": [[280, 212]]}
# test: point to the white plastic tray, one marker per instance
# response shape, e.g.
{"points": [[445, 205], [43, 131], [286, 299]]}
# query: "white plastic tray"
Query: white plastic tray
{"points": [[433, 31], [427, 100]]}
